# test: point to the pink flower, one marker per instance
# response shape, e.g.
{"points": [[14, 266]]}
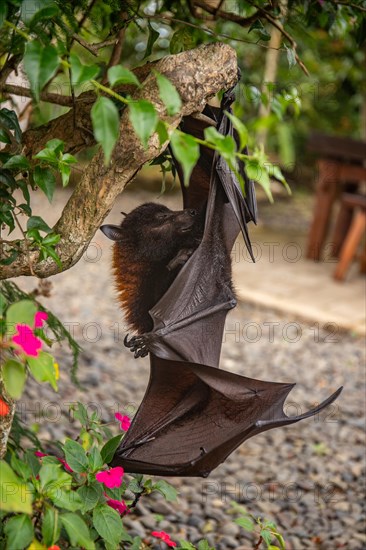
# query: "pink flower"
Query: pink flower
{"points": [[164, 537], [124, 420], [111, 478], [39, 318], [4, 408], [63, 462], [118, 505], [40, 454], [25, 338]]}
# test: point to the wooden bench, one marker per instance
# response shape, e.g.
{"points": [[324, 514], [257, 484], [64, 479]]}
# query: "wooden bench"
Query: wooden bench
{"points": [[353, 207], [340, 169]]}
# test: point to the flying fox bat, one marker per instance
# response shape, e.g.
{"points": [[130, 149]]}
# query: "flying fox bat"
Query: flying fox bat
{"points": [[193, 414]]}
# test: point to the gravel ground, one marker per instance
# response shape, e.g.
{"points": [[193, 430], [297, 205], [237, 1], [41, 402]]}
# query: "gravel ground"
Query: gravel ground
{"points": [[307, 478]]}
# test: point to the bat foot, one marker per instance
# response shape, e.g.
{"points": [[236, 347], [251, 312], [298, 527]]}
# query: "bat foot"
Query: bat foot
{"points": [[137, 345]]}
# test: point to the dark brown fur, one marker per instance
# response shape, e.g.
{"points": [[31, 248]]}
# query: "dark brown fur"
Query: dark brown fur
{"points": [[151, 245]]}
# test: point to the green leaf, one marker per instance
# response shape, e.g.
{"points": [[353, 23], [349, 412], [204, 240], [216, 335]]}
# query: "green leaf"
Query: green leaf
{"points": [[143, 118], [121, 75], [56, 145], [291, 56], [182, 40], [90, 495], [44, 178], [258, 173], [14, 495], [42, 368], [245, 522], [153, 36], [225, 144], [77, 531], [51, 527], [168, 94], [40, 63], [167, 490], [46, 12], [51, 239], [4, 136], [17, 162], [53, 477], [105, 119], [3, 304], [186, 545], [108, 450], [76, 456], [108, 523], [81, 73], [95, 460], [67, 500], [36, 222], [14, 377], [9, 119], [266, 535], [20, 313], [3, 13], [240, 128], [65, 173], [20, 467], [162, 132], [19, 531], [186, 151]]}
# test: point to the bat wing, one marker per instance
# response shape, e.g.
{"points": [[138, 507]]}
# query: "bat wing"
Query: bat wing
{"points": [[189, 319], [194, 416]]}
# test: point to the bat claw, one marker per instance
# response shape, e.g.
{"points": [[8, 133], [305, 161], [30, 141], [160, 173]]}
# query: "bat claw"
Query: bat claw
{"points": [[137, 345]]}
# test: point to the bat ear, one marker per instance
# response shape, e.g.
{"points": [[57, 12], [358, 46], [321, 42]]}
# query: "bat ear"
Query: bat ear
{"points": [[113, 232]]}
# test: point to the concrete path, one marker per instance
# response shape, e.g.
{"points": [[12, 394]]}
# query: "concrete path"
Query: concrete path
{"points": [[283, 279]]}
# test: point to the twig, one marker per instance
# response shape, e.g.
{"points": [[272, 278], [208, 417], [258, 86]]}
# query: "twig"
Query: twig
{"points": [[118, 45], [209, 31], [349, 5], [242, 21], [45, 96], [26, 244], [104, 44], [278, 26], [77, 38], [257, 545]]}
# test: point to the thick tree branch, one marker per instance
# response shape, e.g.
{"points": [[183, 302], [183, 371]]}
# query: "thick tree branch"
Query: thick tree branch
{"points": [[198, 75]]}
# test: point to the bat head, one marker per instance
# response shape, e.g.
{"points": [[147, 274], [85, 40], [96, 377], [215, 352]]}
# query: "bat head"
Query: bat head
{"points": [[155, 231]]}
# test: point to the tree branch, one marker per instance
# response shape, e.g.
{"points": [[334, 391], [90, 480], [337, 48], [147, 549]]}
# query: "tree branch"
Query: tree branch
{"points": [[198, 75], [59, 99]]}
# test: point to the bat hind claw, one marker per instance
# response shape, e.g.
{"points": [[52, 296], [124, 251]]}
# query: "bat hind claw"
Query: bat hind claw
{"points": [[137, 345]]}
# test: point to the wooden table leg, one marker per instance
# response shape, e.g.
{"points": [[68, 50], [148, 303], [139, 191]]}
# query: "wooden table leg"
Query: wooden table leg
{"points": [[326, 191], [350, 245], [342, 226]]}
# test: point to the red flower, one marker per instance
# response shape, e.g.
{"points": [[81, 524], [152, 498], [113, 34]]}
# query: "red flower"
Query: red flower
{"points": [[111, 478], [39, 318], [164, 537], [25, 338], [124, 420], [118, 505], [40, 454], [4, 408], [54, 547]]}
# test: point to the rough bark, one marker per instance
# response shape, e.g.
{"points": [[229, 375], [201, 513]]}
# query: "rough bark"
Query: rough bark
{"points": [[198, 75], [5, 421]]}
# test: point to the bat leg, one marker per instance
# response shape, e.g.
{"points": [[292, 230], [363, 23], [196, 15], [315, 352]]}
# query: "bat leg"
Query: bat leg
{"points": [[138, 345]]}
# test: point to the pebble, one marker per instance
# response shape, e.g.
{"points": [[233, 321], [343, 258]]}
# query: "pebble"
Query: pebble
{"points": [[281, 475]]}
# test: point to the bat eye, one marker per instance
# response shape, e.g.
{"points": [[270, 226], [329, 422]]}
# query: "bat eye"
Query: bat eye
{"points": [[162, 216], [193, 212]]}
